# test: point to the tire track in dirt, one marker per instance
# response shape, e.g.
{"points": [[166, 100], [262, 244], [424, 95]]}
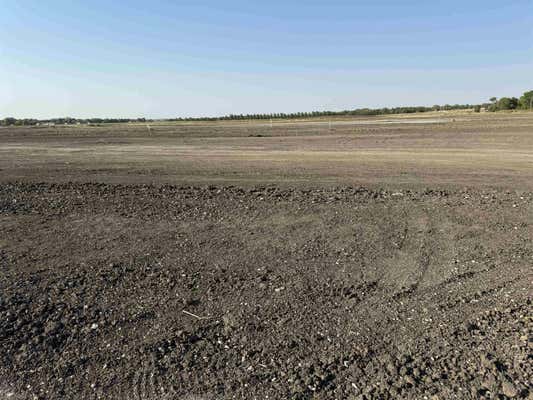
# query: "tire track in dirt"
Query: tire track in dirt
{"points": [[408, 260]]}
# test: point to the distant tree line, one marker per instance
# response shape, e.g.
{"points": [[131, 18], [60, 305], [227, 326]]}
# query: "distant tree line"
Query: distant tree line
{"points": [[315, 114], [66, 121], [525, 102]]}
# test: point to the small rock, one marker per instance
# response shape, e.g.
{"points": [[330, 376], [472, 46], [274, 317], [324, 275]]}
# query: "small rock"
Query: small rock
{"points": [[410, 380], [509, 389], [391, 368], [230, 322], [486, 360], [51, 327]]}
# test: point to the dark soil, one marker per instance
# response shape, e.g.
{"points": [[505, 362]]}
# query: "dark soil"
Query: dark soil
{"points": [[144, 292]]}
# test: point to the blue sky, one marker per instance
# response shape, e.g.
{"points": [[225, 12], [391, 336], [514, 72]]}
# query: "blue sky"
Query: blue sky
{"points": [[191, 58]]}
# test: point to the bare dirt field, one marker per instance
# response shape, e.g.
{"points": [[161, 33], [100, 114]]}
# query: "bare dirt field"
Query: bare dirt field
{"points": [[454, 150], [372, 258]]}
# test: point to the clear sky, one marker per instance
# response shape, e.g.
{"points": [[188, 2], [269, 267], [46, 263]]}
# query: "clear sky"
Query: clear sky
{"points": [[207, 57]]}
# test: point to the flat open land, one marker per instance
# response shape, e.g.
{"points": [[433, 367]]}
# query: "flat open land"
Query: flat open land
{"points": [[434, 150], [369, 258]]}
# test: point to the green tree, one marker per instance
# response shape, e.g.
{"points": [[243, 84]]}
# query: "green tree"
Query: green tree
{"points": [[493, 104], [507, 103], [526, 100], [9, 121]]}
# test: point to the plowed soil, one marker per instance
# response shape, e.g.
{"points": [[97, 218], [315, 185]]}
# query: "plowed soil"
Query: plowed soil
{"points": [[282, 291]]}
